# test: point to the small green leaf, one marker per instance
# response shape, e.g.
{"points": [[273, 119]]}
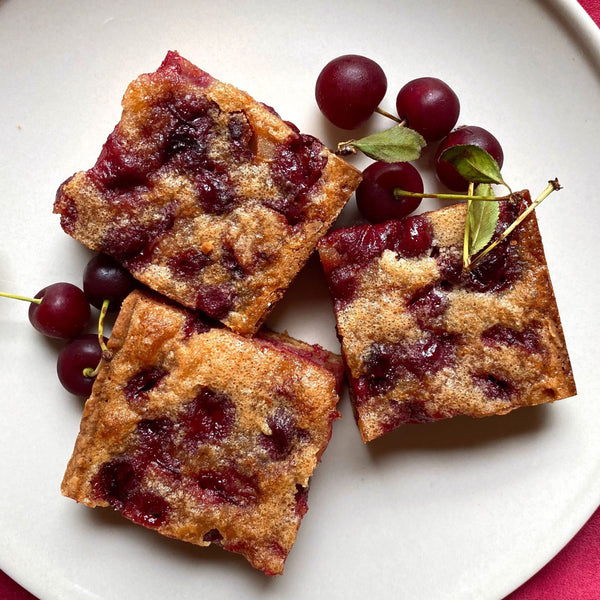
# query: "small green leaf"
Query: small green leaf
{"points": [[473, 163], [398, 144], [482, 219]]}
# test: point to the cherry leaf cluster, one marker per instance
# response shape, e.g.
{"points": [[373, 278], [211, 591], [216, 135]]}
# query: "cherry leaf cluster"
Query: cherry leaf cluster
{"points": [[483, 208]]}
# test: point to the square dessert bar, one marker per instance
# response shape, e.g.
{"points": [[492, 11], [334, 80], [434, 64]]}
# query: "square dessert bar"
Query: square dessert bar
{"points": [[203, 434], [423, 340], [206, 195]]}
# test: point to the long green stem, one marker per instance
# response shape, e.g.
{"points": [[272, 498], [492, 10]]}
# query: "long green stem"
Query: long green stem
{"points": [[88, 371], [385, 113], [553, 186], [24, 298], [466, 245], [399, 193], [103, 312]]}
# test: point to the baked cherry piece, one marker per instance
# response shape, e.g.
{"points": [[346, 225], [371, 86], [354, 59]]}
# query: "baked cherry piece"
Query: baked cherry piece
{"points": [[63, 313], [349, 89], [423, 339], [476, 136], [106, 279], [375, 195], [79, 354], [429, 106], [205, 195], [218, 450]]}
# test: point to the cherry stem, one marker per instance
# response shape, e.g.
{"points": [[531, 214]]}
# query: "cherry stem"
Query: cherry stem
{"points": [[88, 371], [398, 192], [103, 312], [24, 298], [346, 148], [467, 235], [385, 113], [553, 186]]}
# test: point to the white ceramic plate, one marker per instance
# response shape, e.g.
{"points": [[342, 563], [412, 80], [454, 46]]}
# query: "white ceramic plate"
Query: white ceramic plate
{"points": [[460, 509]]}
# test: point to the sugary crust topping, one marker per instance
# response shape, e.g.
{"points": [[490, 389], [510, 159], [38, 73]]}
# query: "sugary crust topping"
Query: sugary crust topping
{"points": [[421, 341], [205, 435], [206, 195]]}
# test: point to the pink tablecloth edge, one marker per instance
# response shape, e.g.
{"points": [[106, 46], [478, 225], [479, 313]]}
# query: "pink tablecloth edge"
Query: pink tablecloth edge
{"points": [[574, 574]]}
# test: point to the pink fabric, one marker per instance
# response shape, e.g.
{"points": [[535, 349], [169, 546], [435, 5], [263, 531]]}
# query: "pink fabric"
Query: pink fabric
{"points": [[574, 574], [593, 9]]}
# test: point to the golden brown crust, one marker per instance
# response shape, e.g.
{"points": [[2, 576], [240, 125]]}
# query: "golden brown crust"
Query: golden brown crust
{"points": [[252, 250], [505, 347], [257, 511]]}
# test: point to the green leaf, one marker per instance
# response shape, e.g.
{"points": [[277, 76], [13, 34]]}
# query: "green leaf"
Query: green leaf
{"points": [[473, 163], [482, 219], [398, 144]]}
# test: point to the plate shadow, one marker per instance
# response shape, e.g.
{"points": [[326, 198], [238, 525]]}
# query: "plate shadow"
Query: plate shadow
{"points": [[461, 432]]}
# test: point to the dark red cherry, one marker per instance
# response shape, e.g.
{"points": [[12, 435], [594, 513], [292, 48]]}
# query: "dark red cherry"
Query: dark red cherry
{"points": [[476, 136], [79, 354], [63, 313], [105, 279], [429, 106], [375, 195], [349, 89]]}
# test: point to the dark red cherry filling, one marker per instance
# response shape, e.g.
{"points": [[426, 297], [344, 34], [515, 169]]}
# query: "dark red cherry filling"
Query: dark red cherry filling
{"points": [[408, 411], [189, 264], [137, 388], [120, 167], [410, 237], [198, 323], [191, 127], [427, 305], [209, 417], [240, 135], [296, 166], [178, 69], [356, 245], [133, 243], [213, 536], [156, 443], [284, 432], [118, 483], [499, 335], [231, 264], [125, 241], [147, 508], [69, 214], [386, 363], [215, 194], [343, 283], [229, 485], [217, 301], [301, 498], [496, 388], [496, 271]]}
